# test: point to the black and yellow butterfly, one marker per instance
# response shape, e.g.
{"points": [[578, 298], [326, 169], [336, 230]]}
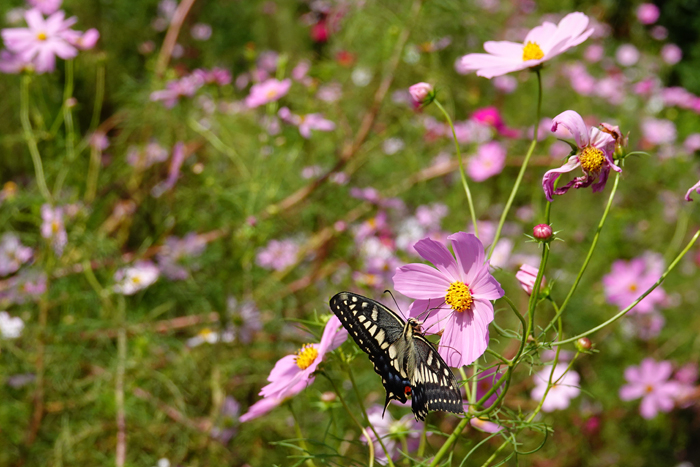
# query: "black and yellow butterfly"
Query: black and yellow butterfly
{"points": [[407, 362]]}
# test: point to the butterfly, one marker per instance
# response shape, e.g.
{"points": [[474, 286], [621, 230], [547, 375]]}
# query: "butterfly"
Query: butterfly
{"points": [[407, 362]]}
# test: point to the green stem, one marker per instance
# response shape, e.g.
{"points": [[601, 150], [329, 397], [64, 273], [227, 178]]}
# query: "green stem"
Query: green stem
{"points": [[641, 297], [532, 305], [588, 256], [300, 436], [465, 184], [522, 168], [70, 133], [31, 140]]}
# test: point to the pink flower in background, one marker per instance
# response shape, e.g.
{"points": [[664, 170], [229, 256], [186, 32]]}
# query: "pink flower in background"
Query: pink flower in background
{"points": [[175, 89], [47, 7], [647, 13], [42, 40], [10, 327], [461, 289], [627, 280], [175, 250], [201, 31], [23, 286], [695, 188], [505, 84], [145, 158], [627, 55], [564, 387], [541, 44], [293, 373], [527, 275], [490, 160], [12, 253], [131, 279], [179, 155], [53, 228], [431, 215], [594, 53], [278, 254], [307, 122], [391, 432], [422, 93], [692, 142], [492, 117], [687, 376], [245, 319], [268, 91], [650, 381], [658, 131], [486, 380], [671, 54], [82, 40], [485, 425], [595, 157]]}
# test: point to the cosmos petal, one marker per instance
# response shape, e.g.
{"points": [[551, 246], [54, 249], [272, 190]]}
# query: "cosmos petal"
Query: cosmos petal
{"points": [[420, 281]]}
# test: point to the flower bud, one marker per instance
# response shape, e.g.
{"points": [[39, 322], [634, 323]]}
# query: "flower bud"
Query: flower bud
{"points": [[422, 93], [542, 232], [583, 344]]}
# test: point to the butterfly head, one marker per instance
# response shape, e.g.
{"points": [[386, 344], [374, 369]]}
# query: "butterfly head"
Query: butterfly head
{"points": [[415, 324]]}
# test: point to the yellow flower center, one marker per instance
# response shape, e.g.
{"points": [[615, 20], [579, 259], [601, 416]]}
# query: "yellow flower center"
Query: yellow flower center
{"points": [[205, 332], [306, 356], [591, 159], [55, 226], [633, 287], [42, 36], [649, 388], [532, 51], [271, 94], [136, 280], [459, 297]]}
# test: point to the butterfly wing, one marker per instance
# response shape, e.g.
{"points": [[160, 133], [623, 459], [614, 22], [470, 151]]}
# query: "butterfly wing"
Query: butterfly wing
{"points": [[434, 385], [374, 328]]}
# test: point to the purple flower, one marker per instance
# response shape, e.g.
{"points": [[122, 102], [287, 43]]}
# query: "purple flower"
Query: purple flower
{"points": [[201, 31], [52, 227], [658, 131], [595, 157], [143, 159], [647, 13], [695, 188], [293, 373], [564, 387], [278, 254], [12, 253], [42, 40], [26, 285], [392, 432], [230, 411], [541, 44], [671, 54], [458, 293], [186, 86], [650, 381], [245, 319], [131, 279], [627, 280], [178, 158], [268, 91], [306, 123], [489, 161], [175, 250]]}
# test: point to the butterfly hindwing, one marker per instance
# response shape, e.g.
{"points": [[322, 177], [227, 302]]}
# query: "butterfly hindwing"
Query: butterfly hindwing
{"points": [[434, 384], [374, 328]]}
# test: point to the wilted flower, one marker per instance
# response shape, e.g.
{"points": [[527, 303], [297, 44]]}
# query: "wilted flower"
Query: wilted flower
{"points": [[461, 289], [489, 161], [278, 254], [650, 381], [541, 44], [12, 253], [267, 91], [52, 227], [293, 373], [595, 157], [564, 387], [627, 280], [391, 433], [10, 328], [131, 279]]}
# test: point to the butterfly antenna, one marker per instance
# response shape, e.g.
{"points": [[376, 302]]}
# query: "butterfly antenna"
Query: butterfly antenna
{"points": [[397, 306]]}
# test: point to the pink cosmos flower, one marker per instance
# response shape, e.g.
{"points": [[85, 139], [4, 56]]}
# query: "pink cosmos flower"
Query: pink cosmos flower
{"points": [[695, 188], [647, 13], [527, 275], [564, 387], [53, 228], [486, 380], [175, 89], [12, 253], [485, 425], [421, 93], [627, 280], [658, 131], [42, 40], [391, 432], [489, 161], [268, 91], [47, 7], [458, 293], [293, 373], [307, 122], [137, 277], [595, 157], [541, 44], [179, 155], [492, 117], [650, 381], [278, 254], [671, 54], [177, 250]]}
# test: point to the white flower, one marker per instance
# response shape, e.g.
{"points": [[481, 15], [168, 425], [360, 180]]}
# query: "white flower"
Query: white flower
{"points": [[137, 277], [10, 328]]}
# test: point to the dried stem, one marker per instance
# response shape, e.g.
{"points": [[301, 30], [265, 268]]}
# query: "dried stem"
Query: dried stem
{"points": [[170, 40]]}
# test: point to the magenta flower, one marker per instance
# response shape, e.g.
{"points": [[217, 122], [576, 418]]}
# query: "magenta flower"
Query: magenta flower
{"points": [[278, 254], [627, 280], [268, 91], [647, 13], [42, 40], [650, 381], [458, 293], [492, 117], [293, 373], [564, 387], [595, 157], [541, 44], [695, 188], [391, 433], [490, 160]]}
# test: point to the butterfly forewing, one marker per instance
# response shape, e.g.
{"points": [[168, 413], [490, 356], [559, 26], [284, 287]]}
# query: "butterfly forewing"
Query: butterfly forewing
{"points": [[407, 362]]}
